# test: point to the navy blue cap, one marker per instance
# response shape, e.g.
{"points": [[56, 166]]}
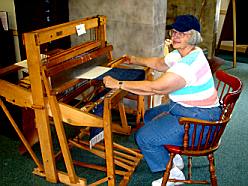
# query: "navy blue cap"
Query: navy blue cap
{"points": [[185, 23]]}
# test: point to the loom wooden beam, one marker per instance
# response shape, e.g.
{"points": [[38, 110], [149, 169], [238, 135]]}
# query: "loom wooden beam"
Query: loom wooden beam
{"points": [[76, 117], [66, 86], [117, 62], [57, 118], [71, 52], [108, 141], [9, 69], [101, 31], [21, 136], [52, 33], [77, 61], [41, 114], [63, 178], [16, 94]]}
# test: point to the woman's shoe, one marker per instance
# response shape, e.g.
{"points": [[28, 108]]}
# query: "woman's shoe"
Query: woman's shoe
{"points": [[175, 173], [178, 162]]}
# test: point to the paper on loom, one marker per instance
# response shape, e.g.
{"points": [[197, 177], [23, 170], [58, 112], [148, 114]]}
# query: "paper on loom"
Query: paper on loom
{"points": [[93, 72], [24, 62]]}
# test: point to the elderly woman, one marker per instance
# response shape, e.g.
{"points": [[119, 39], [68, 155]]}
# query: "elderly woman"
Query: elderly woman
{"points": [[188, 81]]}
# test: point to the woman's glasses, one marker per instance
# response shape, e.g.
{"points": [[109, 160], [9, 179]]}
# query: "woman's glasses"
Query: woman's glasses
{"points": [[174, 33]]}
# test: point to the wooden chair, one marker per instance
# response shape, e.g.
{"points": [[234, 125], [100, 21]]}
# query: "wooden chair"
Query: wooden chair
{"points": [[215, 63], [229, 88]]}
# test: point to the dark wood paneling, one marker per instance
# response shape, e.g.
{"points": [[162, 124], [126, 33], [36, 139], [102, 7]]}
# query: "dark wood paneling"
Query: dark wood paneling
{"points": [[35, 14]]}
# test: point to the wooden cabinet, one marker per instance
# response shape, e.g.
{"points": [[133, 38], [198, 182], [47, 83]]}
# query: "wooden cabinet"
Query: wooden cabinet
{"points": [[7, 50], [7, 57], [33, 15]]}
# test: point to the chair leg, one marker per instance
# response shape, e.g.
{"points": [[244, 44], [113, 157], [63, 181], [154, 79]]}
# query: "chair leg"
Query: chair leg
{"points": [[168, 168], [190, 167], [213, 177]]}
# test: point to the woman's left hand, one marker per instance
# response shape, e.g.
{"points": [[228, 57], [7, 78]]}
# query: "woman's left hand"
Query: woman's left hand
{"points": [[111, 82]]}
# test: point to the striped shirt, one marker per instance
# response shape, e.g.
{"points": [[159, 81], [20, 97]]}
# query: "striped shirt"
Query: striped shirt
{"points": [[194, 68]]}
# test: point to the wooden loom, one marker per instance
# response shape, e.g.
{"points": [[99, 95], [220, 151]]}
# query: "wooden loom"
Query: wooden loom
{"points": [[43, 99]]}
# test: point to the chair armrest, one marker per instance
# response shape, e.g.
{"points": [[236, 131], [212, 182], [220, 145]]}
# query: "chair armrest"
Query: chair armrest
{"points": [[187, 120], [215, 63]]}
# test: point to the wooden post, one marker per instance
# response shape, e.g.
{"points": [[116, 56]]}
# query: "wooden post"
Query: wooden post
{"points": [[41, 115], [102, 36], [234, 34], [21, 136], [60, 130], [108, 141]]}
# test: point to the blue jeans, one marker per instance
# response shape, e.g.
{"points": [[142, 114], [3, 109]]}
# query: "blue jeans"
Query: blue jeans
{"points": [[161, 127]]}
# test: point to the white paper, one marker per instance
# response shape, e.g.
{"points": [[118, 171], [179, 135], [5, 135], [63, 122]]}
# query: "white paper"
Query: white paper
{"points": [[24, 63], [93, 72], [80, 29], [4, 19], [99, 137]]}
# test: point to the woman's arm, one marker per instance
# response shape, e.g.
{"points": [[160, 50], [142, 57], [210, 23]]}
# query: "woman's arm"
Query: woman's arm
{"points": [[156, 63], [169, 82]]}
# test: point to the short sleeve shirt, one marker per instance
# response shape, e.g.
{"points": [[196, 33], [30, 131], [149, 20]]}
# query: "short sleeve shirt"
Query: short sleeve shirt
{"points": [[194, 69]]}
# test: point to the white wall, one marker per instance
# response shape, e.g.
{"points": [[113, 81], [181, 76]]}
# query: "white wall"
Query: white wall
{"points": [[135, 27], [9, 6]]}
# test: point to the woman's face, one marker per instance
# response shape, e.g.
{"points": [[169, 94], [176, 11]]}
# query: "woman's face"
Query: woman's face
{"points": [[180, 39]]}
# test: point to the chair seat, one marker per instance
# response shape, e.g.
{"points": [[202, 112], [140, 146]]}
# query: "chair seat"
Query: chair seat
{"points": [[174, 149], [180, 150]]}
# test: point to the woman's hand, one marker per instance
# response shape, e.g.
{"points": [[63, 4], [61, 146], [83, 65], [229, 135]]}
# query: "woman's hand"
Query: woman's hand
{"points": [[130, 59], [167, 42], [110, 82]]}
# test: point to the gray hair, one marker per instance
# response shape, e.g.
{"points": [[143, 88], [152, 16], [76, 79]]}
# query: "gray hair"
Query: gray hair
{"points": [[195, 38]]}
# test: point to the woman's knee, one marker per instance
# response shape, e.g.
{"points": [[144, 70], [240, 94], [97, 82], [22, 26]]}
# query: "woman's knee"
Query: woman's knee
{"points": [[148, 116], [139, 137], [151, 113], [142, 137]]}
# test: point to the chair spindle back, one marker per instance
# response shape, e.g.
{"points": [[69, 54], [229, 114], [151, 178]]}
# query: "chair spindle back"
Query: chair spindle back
{"points": [[205, 135]]}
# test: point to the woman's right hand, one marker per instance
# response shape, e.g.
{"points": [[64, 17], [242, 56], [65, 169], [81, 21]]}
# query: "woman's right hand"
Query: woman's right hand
{"points": [[167, 42], [130, 59]]}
